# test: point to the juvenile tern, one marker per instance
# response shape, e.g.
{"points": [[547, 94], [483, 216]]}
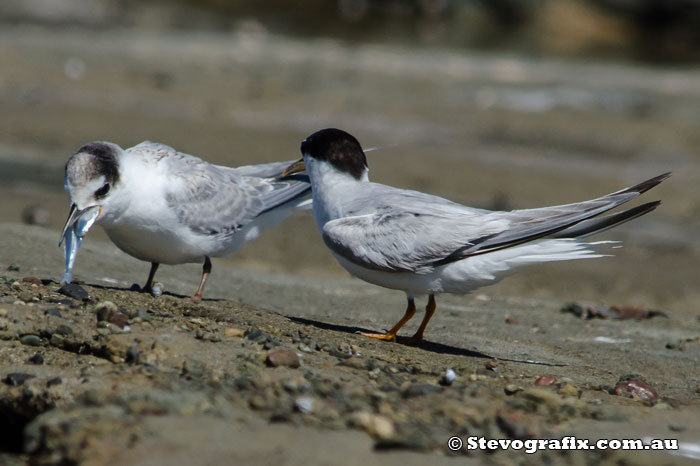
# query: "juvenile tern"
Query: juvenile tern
{"points": [[165, 207], [426, 245]]}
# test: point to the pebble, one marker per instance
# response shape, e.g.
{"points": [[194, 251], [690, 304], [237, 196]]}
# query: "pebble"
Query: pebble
{"points": [[54, 381], [304, 404], [36, 215], [30, 340], [376, 425], [75, 291], [120, 320], [17, 378], [157, 289], [545, 380], [105, 311], [232, 332], [492, 365], [63, 330], [635, 387], [32, 280], [285, 357], [448, 377], [13, 267], [511, 389], [56, 340], [38, 358], [26, 296], [567, 389], [16, 285], [3, 312], [53, 312]]}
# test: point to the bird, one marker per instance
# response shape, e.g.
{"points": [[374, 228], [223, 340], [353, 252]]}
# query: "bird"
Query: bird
{"points": [[166, 207], [427, 245]]}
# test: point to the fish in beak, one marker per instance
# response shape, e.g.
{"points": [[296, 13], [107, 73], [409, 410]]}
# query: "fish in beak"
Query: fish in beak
{"points": [[296, 167], [78, 223]]}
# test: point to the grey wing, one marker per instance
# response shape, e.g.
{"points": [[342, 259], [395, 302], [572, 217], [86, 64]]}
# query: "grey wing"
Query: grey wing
{"points": [[407, 233], [263, 170], [216, 200]]}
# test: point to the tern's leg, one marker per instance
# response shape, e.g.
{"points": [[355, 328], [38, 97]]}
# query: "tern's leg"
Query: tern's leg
{"points": [[429, 311], [206, 270], [149, 283], [391, 334]]}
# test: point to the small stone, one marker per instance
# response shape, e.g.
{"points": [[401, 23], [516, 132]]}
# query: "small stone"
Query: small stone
{"points": [[448, 377], [545, 380], [492, 365], [120, 320], [30, 340], [3, 312], [285, 357], [635, 387], [13, 267], [157, 289], [56, 340], [511, 320], [511, 389], [105, 311], [676, 427], [232, 332], [75, 291], [375, 425], [567, 389], [304, 404], [32, 280], [36, 215], [26, 296], [63, 330], [54, 381], [53, 312], [16, 285], [37, 359], [17, 378]]}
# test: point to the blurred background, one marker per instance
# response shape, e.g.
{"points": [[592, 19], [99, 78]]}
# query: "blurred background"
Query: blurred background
{"points": [[500, 104]]}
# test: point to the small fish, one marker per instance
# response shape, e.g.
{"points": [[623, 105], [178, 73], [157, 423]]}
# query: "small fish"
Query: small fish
{"points": [[73, 236]]}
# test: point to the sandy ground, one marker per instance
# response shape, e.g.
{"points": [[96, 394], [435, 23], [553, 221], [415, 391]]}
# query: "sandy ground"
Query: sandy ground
{"points": [[486, 131]]}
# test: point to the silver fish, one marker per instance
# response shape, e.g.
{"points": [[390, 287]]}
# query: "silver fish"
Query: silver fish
{"points": [[73, 236]]}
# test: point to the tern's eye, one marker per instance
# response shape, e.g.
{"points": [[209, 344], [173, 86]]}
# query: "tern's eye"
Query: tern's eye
{"points": [[102, 191]]}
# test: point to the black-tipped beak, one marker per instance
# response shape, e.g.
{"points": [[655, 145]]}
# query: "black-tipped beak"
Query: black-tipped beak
{"points": [[296, 167], [73, 216]]}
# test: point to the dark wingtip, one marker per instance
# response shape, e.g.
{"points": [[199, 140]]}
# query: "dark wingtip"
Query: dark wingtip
{"points": [[645, 186]]}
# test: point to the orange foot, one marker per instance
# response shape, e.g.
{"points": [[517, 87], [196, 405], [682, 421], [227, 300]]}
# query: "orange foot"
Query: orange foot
{"points": [[196, 299], [381, 336]]}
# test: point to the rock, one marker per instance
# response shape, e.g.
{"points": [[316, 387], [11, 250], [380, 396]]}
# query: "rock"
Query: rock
{"points": [[63, 330], [545, 380], [304, 404], [232, 332], [16, 285], [120, 320], [30, 340], [567, 389], [157, 289], [448, 377], [54, 381], [492, 365], [511, 389], [375, 425], [32, 280], [53, 312], [56, 340], [37, 359], [592, 311], [105, 310], [17, 378], [13, 267], [635, 387], [3, 312], [75, 291], [26, 296], [285, 357]]}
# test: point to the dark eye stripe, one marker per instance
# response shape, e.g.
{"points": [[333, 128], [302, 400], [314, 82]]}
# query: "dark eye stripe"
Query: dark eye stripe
{"points": [[102, 191]]}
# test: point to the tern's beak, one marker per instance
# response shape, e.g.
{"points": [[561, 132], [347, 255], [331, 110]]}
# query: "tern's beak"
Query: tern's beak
{"points": [[73, 216], [296, 167]]}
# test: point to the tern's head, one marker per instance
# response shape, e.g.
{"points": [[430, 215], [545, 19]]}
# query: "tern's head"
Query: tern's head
{"points": [[91, 174], [335, 148]]}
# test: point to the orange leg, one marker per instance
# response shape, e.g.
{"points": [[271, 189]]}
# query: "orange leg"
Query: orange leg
{"points": [[149, 283], [429, 311], [206, 270], [391, 334]]}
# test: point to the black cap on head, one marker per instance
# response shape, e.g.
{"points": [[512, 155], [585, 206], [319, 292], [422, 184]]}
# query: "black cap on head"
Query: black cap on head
{"points": [[338, 148], [103, 161]]}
